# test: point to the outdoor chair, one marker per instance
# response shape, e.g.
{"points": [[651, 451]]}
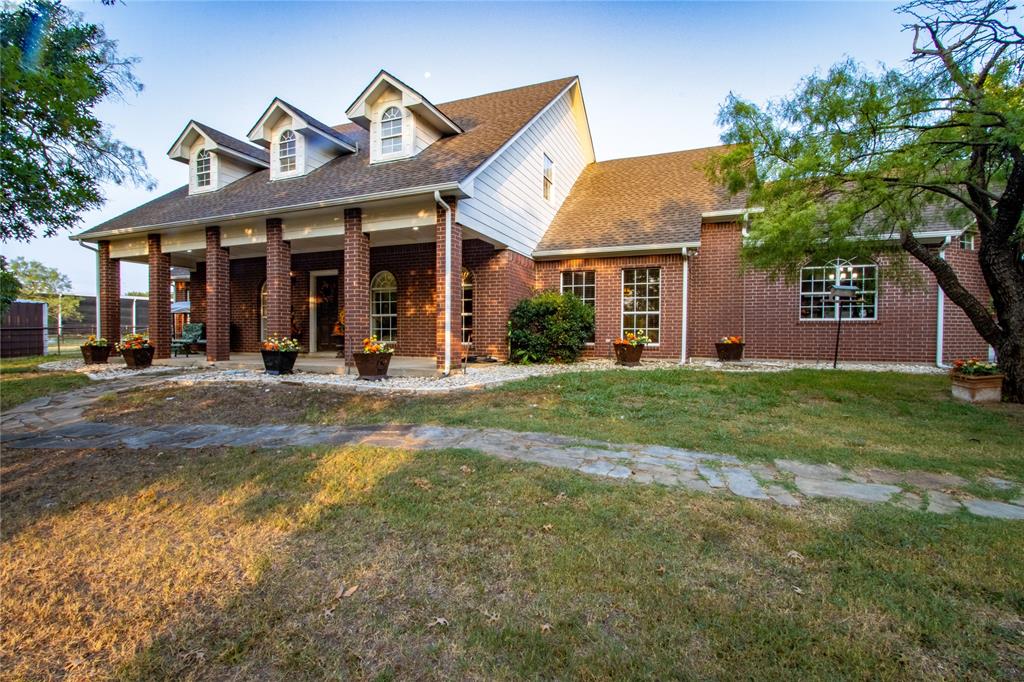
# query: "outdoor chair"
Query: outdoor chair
{"points": [[191, 335]]}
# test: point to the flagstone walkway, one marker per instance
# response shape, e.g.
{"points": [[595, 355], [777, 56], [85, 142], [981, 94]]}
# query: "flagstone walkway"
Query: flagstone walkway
{"points": [[57, 422]]}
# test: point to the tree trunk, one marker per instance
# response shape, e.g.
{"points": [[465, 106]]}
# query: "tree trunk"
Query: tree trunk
{"points": [[1011, 363]]}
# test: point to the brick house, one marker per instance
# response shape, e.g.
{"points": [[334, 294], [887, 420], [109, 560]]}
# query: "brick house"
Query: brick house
{"points": [[425, 224]]}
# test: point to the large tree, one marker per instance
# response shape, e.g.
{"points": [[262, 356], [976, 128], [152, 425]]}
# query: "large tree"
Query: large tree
{"points": [[42, 283], [54, 153], [856, 161]]}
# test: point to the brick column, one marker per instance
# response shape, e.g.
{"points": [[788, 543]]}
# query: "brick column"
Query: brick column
{"points": [[357, 283], [159, 298], [455, 276], [109, 295], [218, 298], [279, 282]]}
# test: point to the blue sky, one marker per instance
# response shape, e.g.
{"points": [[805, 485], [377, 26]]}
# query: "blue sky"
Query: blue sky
{"points": [[653, 75]]}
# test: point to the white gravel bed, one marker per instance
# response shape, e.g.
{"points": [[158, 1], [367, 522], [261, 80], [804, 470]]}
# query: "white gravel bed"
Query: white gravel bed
{"points": [[478, 376], [100, 372], [481, 376]]}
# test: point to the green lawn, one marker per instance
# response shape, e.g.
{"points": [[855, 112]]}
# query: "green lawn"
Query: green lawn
{"points": [[20, 381], [854, 419], [217, 564]]}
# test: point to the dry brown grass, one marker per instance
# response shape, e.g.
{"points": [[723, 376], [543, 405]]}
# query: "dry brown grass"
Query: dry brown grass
{"points": [[235, 565]]}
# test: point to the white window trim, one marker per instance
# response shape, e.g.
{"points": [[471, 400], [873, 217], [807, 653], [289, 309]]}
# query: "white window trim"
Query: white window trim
{"points": [[313, 322], [835, 306], [562, 289], [375, 275], [462, 316], [277, 155], [622, 301], [545, 159], [400, 153], [196, 187]]}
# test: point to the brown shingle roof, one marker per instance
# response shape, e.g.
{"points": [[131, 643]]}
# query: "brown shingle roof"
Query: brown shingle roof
{"points": [[488, 121], [225, 140], [639, 201]]}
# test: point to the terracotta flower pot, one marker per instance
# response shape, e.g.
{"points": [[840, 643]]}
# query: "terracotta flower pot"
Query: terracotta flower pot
{"points": [[729, 352], [627, 355], [138, 358], [279, 361], [95, 355], [372, 366], [978, 388]]}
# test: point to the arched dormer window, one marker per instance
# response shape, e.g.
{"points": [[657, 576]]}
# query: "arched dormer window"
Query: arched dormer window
{"points": [[286, 152], [203, 175], [391, 131], [384, 307]]}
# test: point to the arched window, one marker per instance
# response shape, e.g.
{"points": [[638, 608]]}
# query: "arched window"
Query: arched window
{"points": [[203, 168], [286, 152], [816, 283], [263, 311], [391, 131], [384, 307], [467, 306]]}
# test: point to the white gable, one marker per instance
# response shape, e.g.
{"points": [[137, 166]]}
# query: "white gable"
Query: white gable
{"points": [[225, 164], [315, 143]]}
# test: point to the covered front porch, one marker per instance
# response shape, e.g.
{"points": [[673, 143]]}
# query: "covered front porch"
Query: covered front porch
{"points": [[407, 272]]}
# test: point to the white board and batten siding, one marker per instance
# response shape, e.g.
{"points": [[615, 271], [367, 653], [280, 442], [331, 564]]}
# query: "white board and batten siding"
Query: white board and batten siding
{"points": [[508, 203]]}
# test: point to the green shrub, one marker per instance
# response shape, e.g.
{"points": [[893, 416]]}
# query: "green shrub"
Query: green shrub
{"points": [[550, 327]]}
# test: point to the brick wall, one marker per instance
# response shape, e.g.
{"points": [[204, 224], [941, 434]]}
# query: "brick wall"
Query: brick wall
{"points": [[766, 313], [159, 298], [279, 294], [110, 294], [608, 296], [960, 339], [357, 282], [218, 298]]}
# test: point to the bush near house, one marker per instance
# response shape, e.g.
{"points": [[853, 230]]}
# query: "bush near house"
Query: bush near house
{"points": [[550, 327]]}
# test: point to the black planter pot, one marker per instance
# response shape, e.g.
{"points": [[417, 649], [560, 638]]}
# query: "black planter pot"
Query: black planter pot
{"points": [[729, 352], [279, 361], [95, 355], [372, 366], [627, 355], [138, 358]]}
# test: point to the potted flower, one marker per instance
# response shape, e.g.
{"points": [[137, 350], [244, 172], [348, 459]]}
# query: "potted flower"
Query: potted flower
{"points": [[374, 359], [730, 348], [629, 348], [976, 381], [136, 351], [95, 351], [279, 354]]}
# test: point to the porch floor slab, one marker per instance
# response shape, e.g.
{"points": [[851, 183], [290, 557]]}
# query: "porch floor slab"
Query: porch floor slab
{"points": [[314, 363]]}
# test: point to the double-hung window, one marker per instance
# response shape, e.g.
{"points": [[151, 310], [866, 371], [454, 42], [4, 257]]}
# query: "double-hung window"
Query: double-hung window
{"points": [[203, 174], [641, 302], [384, 307], [286, 152], [816, 282], [467, 306], [581, 283]]}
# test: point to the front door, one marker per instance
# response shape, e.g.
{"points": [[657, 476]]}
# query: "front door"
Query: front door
{"points": [[326, 310]]}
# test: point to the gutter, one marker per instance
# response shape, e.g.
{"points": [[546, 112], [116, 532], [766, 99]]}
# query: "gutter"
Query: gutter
{"points": [[447, 282], [643, 248], [940, 314], [212, 220]]}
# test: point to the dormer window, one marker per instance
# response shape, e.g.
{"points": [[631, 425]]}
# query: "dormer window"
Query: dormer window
{"points": [[203, 168], [391, 131], [286, 152]]}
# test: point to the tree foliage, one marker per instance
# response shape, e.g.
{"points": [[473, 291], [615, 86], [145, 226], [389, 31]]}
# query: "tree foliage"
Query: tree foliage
{"points": [[10, 287], [54, 153], [550, 327], [858, 162], [50, 285]]}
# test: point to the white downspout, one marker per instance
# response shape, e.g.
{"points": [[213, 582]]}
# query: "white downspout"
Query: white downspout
{"points": [[940, 314], [99, 331], [686, 304], [447, 282]]}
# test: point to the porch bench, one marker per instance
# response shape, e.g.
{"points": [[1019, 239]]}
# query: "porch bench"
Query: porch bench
{"points": [[191, 335]]}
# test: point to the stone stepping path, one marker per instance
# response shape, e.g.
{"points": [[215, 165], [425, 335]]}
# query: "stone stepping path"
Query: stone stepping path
{"points": [[57, 422]]}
